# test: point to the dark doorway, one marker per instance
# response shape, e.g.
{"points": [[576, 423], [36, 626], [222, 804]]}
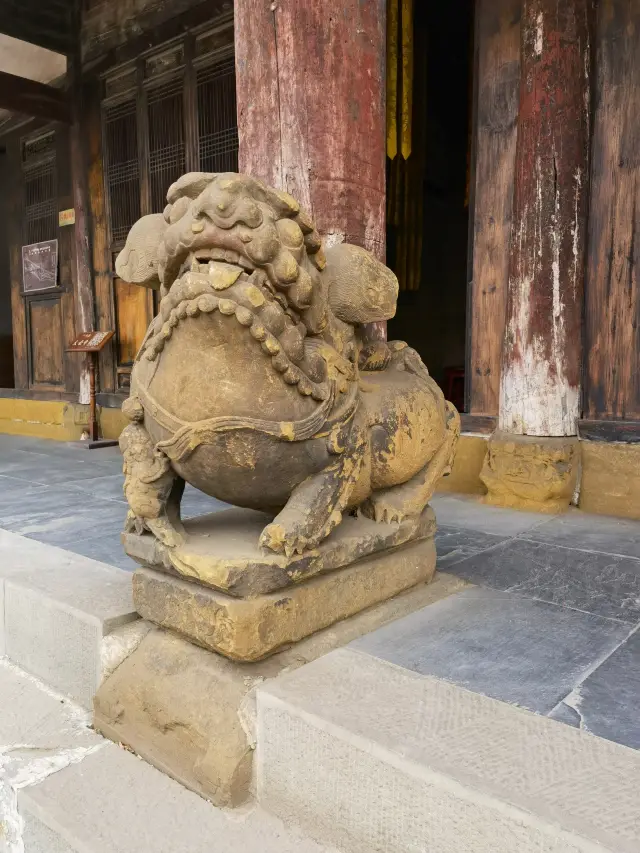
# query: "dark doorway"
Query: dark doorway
{"points": [[427, 210], [6, 329]]}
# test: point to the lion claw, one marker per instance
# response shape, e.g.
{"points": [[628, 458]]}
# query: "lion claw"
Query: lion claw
{"points": [[278, 538], [382, 511]]}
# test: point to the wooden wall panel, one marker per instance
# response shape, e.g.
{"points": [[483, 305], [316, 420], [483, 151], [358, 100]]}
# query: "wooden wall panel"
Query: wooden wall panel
{"points": [[46, 347], [51, 313], [495, 116], [131, 302], [612, 311]]}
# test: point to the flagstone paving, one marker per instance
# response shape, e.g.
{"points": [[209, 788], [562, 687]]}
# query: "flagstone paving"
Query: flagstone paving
{"points": [[553, 624]]}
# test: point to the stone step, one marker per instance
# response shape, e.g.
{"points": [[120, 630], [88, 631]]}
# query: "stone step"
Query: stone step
{"points": [[66, 619], [65, 789], [374, 758], [114, 802]]}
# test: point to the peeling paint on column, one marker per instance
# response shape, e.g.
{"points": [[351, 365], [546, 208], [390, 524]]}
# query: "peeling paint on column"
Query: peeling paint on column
{"points": [[540, 383], [311, 109]]}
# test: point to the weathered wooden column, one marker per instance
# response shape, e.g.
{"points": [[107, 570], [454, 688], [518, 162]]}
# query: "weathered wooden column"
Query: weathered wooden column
{"points": [[311, 109], [542, 354], [83, 277]]}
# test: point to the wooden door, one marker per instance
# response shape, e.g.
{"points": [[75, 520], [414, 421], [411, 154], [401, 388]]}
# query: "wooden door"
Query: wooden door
{"points": [[43, 312]]}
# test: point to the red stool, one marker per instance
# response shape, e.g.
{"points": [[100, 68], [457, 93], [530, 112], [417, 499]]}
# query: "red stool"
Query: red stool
{"points": [[454, 386]]}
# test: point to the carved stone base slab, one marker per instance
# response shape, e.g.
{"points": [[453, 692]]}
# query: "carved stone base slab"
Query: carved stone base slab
{"points": [[248, 629], [221, 550]]}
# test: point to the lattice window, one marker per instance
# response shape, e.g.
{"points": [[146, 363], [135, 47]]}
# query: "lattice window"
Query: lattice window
{"points": [[171, 110], [166, 140], [217, 122], [122, 167], [40, 189]]}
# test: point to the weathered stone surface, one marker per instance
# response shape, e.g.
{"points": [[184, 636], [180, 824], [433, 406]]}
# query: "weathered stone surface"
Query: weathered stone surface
{"points": [[191, 712], [221, 550], [248, 386], [528, 472], [248, 629]]}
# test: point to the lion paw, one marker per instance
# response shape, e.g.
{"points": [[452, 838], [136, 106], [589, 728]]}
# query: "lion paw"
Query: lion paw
{"points": [[385, 508], [296, 538], [163, 530], [276, 538]]}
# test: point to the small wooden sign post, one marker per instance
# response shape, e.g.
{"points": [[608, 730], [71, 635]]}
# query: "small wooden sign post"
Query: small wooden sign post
{"points": [[92, 343]]}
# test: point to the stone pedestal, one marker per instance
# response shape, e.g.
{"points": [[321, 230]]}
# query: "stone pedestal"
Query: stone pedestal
{"points": [[245, 604], [226, 616], [531, 473]]}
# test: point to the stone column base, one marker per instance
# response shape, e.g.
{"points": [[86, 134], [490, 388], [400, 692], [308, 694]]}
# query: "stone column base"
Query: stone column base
{"points": [[531, 472]]}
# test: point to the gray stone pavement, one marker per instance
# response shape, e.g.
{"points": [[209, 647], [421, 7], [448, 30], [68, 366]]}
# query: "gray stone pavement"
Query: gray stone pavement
{"points": [[62, 494], [553, 627]]}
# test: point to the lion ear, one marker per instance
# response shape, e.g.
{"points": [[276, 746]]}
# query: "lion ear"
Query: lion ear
{"points": [[190, 185], [137, 263]]}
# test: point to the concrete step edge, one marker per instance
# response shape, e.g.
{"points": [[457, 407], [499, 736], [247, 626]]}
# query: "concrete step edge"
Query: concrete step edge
{"points": [[112, 802], [551, 813], [65, 618]]}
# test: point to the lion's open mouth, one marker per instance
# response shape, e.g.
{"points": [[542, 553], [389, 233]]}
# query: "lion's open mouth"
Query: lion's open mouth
{"points": [[198, 261]]}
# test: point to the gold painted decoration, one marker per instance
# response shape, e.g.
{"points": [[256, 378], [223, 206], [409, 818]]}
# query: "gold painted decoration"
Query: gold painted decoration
{"points": [[392, 78], [405, 173], [407, 78], [399, 77]]}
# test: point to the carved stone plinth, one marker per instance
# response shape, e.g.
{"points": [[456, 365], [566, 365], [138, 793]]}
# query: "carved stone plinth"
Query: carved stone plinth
{"points": [[531, 473], [245, 604]]}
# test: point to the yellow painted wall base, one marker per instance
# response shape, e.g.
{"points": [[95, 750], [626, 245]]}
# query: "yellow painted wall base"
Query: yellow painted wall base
{"points": [[55, 420], [112, 422], [610, 482], [465, 476], [36, 418]]}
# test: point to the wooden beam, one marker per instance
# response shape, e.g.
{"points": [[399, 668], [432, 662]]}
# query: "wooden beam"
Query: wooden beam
{"points": [[311, 117], [610, 430], [33, 27], [19, 95], [478, 423]]}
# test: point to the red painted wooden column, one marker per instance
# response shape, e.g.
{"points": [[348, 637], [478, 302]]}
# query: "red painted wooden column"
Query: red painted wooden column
{"points": [[311, 109], [541, 367]]}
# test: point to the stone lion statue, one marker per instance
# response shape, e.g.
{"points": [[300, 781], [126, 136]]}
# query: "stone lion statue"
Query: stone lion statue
{"points": [[247, 384]]}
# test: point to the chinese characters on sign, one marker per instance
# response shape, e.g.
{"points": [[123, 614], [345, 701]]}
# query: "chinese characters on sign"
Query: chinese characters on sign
{"points": [[66, 217], [90, 341], [40, 266]]}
